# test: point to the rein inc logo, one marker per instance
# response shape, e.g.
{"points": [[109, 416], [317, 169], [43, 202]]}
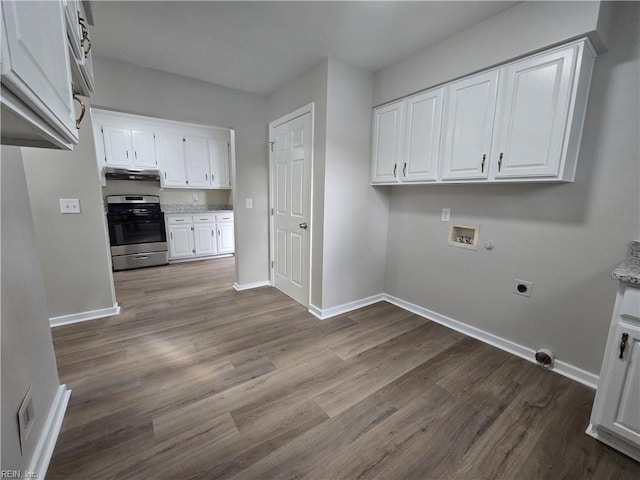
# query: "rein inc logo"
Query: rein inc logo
{"points": [[17, 474]]}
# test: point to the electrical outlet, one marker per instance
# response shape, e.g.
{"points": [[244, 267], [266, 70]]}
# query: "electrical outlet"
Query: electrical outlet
{"points": [[522, 287], [194, 197], [446, 215], [248, 202], [69, 205]]}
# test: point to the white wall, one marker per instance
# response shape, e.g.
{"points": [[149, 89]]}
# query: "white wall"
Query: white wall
{"points": [[308, 87], [355, 213], [27, 348], [75, 259], [565, 238], [524, 28]]}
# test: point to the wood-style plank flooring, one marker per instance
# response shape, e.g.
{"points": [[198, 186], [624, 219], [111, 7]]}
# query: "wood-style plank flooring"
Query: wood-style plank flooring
{"points": [[194, 380]]}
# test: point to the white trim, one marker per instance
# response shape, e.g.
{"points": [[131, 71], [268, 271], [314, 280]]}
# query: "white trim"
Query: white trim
{"points": [[345, 307], [308, 108], [563, 368], [84, 316], [196, 259], [249, 286], [47, 441], [613, 441]]}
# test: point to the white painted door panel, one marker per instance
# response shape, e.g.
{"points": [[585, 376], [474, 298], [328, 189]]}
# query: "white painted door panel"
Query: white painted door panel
{"points": [[387, 137], [117, 146], [532, 117], [197, 152], [180, 241], [291, 201], [471, 105], [220, 163], [205, 239], [621, 409], [144, 150], [226, 242], [422, 136], [170, 152]]}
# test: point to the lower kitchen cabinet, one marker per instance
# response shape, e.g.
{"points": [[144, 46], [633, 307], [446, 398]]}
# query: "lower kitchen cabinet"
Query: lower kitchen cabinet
{"points": [[615, 419], [201, 235]]}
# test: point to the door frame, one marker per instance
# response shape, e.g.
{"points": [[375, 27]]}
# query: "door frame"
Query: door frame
{"points": [[308, 108]]}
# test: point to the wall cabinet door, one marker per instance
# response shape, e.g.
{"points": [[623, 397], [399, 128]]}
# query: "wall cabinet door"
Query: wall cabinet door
{"points": [[144, 149], [180, 241], [220, 162], [117, 146], [387, 137], [471, 105], [226, 242], [533, 110], [205, 239], [37, 103], [197, 155], [422, 136], [171, 160]]}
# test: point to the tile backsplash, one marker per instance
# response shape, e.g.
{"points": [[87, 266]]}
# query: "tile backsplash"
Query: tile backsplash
{"points": [[169, 195]]}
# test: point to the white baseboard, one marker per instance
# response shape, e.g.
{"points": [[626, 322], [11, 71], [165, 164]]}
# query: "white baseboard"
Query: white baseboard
{"points": [[197, 259], [84, 316], [323, 314], [47, 441], [248, 286], [563, 368], [615, 442]]}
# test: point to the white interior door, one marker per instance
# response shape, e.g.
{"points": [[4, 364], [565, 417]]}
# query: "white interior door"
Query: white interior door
{"points": [[291, 203]]}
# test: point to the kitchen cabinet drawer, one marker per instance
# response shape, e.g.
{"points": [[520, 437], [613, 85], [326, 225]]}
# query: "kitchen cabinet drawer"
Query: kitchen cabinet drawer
{"points": [[178, 219], [224, 217], [631, 303], [204, 218]]}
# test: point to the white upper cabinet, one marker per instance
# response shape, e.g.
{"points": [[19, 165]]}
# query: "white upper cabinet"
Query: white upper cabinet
{"points": [[79, 47], [422, 136], [471, 105], [220, 164], [144, 150], [197, 154], [387, 136], [37, 99], [125, 147], [117, 146], [171, 159], [521, 122], [534, 107]]}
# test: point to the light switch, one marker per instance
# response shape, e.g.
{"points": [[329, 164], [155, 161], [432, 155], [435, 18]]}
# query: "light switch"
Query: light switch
{"points": [[446, 215], [69, 205], [248, 202]]}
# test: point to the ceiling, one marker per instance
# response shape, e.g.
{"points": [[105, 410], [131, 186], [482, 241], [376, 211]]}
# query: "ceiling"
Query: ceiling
{"points": [[258, 46]]}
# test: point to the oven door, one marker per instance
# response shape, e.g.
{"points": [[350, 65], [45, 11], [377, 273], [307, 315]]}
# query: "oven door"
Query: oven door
{"points": [[136, 232]]}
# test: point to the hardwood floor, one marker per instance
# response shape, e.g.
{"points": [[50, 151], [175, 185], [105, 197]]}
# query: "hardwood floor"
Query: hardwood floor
{"points": [[194, 380]]}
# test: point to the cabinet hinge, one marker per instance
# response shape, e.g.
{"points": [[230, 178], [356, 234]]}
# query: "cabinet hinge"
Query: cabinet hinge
{"points": [[272, 211], [184, 139], [192, 229], [273, 264], [102, 129], [271, 144]]}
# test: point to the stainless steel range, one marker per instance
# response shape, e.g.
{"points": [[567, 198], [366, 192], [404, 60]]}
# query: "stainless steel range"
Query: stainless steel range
{"points": [[136, 231]]}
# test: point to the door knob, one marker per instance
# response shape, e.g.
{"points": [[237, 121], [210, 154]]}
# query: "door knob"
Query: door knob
{"points": [[303, 225]]}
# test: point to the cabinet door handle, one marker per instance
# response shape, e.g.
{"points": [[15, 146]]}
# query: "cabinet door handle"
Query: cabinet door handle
{"points": [[165, 175], [500, 161], [206, 177], [404, 170], [395, 168], [212, 234], [484, 159], [171, 235], [135, 154], [623, 344], [127, 152], [218, 232], [83, 108]]}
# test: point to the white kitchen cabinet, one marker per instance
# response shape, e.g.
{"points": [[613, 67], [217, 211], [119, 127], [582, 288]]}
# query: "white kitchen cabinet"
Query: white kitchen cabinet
{"points": [[521, 122], [193, 236], [181, 244], [470, 112], [615, 419], [388, 122], [127, 148], [220, 162], [36, 95], [533, 116], [81, 59], [171, 160], [197, 157], [421, 146]]}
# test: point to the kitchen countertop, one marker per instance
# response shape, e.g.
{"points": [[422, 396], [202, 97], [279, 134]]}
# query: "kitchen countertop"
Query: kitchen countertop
{"points": [[629, 270], [187, 208]]}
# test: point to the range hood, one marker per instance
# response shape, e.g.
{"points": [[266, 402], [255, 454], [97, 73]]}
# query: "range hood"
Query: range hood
{"points": [[115, 173]]}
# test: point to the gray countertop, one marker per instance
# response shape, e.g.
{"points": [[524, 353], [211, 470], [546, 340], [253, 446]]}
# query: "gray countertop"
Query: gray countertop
{"points": [[187, 208], [629, 270]]}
